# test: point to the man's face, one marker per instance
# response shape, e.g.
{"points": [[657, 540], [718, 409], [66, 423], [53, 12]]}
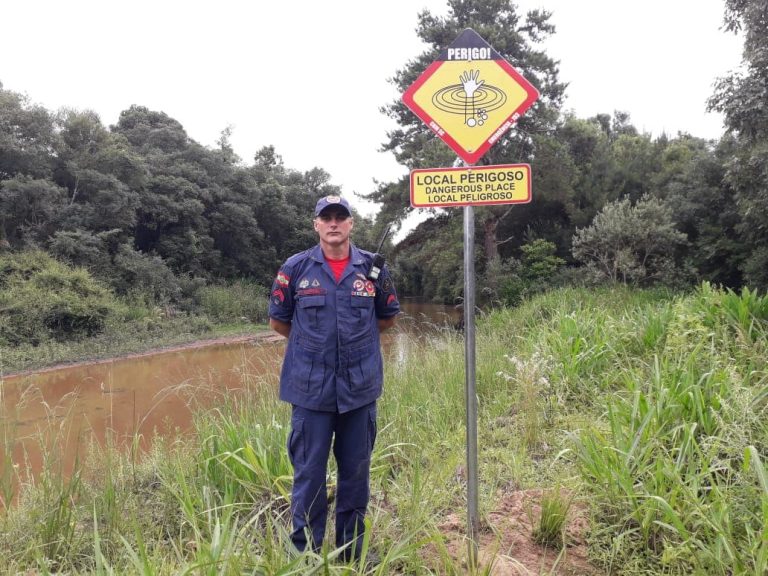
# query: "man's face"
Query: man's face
{"points": [[333, 226]]}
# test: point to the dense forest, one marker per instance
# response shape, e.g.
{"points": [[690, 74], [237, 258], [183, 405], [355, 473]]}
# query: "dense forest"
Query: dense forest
{"points": [[145, 208]]}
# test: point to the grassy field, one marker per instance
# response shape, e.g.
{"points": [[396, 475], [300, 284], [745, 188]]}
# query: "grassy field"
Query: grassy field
{"points": [[645, 412]]}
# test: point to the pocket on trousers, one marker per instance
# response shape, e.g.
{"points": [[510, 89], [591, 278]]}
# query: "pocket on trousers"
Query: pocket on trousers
{"points": [[296, 443]]}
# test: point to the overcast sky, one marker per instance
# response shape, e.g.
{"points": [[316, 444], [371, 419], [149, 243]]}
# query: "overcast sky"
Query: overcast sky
{"points": [[309, 76]]}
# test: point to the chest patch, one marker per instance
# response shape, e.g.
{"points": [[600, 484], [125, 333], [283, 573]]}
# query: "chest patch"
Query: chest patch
{"points": [[364, 288]]}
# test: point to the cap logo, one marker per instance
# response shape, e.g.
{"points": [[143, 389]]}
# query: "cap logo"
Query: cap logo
{"points": [[333, 199]]}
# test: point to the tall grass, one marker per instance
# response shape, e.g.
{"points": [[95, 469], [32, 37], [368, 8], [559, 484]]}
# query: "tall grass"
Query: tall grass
{"points": [[668, 456], [239, 300], [649, 406]]}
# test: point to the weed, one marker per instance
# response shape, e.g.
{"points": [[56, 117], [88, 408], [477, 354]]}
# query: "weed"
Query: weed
{"points": [[550, 529]]}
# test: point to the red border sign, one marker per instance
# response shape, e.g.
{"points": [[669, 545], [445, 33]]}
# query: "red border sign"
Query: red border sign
{"points": [[470, 96]]}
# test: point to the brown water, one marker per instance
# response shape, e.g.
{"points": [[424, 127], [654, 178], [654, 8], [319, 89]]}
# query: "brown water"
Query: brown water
{"points": [[56, 412]]}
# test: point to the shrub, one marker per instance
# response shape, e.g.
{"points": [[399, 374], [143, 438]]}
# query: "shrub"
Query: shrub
{"points": [[150, 274], [631, 244], [532, 274], [41, 298], [233, 302]]}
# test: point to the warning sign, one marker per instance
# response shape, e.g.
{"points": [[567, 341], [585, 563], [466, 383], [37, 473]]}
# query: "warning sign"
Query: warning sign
{"points": [[470, 96], [474, 186]]}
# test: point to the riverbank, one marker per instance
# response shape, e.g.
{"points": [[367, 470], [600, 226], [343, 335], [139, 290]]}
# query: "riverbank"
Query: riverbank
{"points": [[129, 339], [262, 334], [620, 432]]}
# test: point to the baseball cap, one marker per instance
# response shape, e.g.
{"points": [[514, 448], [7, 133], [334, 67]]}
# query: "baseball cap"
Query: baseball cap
{"points": [[326, 201]]}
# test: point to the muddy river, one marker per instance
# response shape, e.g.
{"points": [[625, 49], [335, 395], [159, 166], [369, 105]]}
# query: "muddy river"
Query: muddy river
{"points": [[139, 397]]}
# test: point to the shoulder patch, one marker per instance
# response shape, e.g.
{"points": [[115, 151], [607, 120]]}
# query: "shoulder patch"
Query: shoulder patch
{"points": [[283, 279]]}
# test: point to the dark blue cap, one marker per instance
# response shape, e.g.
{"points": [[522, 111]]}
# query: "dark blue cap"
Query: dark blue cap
{"points": [[327, 201]]}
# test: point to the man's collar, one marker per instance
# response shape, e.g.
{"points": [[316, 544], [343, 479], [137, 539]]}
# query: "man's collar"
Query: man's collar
{"points": [[355, 256]]}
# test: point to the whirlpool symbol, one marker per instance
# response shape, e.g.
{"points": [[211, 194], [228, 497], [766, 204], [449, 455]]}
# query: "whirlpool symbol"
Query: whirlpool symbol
{"points": [[472, 98]]}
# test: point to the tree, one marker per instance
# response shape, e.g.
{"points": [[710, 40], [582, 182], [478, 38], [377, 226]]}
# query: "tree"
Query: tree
{"points": [[429, 261], [28, 210], [742, 97], [631, 244], [516, 39], [692, 181], [27, 137]]}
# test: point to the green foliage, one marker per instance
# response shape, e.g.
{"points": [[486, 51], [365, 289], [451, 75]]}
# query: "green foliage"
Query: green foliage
{"points": [[143, 206], [233, 302], [631, 244], [665, 465], [741, 98], [28, 209], [550, 529], [644, 409], [127, 270], [691, 179], [744, 313], [27, 136], [242, 451], [429, 262], [41, 298], [151, 275], [532, 274]]}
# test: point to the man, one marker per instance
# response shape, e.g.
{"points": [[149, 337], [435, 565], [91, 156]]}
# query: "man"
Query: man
{"points": [[324, 302]]}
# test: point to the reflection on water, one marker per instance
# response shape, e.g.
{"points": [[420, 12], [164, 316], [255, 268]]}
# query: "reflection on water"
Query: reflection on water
{"points": [[126, 398], [418, 324]]}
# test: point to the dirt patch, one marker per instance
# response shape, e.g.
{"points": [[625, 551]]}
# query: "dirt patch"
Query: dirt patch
{"points": [[506, 539]]}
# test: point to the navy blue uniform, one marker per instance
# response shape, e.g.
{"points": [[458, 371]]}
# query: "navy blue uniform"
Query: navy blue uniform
{"points": [[332, 375]]}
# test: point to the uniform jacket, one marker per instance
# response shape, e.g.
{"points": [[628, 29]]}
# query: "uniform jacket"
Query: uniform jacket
{"points": [[333, 359]]}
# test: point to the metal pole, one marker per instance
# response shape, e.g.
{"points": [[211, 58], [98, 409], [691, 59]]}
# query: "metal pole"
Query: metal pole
{"points": [[473, 522]]}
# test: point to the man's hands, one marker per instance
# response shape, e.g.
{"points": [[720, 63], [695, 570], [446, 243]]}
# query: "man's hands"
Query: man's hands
{"points": [[282, 328]]}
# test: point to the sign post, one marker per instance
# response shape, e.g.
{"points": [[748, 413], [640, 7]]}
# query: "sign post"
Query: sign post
{"points": [[470, 389], [470, 97]]}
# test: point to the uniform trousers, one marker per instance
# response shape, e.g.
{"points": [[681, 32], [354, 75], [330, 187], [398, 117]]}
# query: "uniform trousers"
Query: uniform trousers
{"points": [[352, 435]]}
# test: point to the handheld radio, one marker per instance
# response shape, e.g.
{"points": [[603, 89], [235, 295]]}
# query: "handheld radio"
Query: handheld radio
{"points": [[378, 257]]}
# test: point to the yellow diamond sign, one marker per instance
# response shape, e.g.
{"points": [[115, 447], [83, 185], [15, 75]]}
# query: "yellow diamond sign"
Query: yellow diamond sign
{"points": [[470, 96]]}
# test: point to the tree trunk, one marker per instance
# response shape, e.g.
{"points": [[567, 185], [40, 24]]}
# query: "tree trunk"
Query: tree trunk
{"points": [[489, 242]]}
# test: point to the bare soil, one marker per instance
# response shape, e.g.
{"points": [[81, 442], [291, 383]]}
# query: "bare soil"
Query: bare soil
{"points": [[506, 542]]}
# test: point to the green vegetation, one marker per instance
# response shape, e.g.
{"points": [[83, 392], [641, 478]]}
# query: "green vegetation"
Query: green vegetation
{"points": [[645, 409], [41, 299], [615, 202], [143, 207], [648, 408], [51, 313], [552, 519]]}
